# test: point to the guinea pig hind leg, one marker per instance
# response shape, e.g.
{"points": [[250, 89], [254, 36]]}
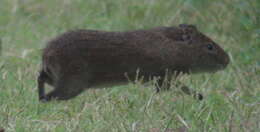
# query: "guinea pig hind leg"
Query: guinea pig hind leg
{"points": [[42, 78], [68, 87]]}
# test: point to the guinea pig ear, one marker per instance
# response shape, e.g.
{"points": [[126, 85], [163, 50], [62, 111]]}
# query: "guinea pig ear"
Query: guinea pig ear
{"points": [[186, 37], [188, 27]]}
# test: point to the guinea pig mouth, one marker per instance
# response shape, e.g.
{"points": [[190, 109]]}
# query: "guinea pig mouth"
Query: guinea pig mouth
{"points": [[208, 68], [218, 67]]}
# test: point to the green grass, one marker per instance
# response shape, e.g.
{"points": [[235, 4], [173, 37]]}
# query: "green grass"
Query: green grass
{"points": [[232, 96]]}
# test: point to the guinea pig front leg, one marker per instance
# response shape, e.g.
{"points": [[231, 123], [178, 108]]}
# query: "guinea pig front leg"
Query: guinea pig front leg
{"points": [[165, 84], [162, 84], [189, 91], [184, 88]]}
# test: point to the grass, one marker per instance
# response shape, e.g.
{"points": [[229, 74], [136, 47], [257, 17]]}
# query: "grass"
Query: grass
{"points": [[232, 96]]}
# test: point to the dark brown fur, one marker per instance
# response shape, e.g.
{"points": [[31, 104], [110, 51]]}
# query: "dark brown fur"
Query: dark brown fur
{"points": [[82, 59]]}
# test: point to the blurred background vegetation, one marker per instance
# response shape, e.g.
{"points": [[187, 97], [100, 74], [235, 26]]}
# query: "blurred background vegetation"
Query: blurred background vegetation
{"points": [[233, 96]]}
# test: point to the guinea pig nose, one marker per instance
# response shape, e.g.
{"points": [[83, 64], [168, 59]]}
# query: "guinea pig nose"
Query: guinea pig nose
{"points": [[226, 59]]}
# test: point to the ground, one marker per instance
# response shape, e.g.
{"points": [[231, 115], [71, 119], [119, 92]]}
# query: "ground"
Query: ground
{"points": [[232, 96]]}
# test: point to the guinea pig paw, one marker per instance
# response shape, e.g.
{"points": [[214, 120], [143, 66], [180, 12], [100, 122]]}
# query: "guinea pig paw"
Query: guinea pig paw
{"points": [[43, 99], [199, 96]]}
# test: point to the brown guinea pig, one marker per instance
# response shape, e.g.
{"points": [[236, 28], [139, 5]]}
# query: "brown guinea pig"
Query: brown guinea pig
{"points": [[81, 59]]}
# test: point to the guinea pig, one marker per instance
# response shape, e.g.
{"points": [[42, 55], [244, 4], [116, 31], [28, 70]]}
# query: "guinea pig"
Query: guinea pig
{"points": [[82, 59]]}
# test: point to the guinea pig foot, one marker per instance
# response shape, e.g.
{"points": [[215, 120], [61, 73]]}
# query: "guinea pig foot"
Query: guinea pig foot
{"points": [[198, 96], [44, 100], [191, 92]]}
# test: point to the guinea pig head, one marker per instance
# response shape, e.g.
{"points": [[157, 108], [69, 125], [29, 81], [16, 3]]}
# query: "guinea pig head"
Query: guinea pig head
{"points": [[197, 51]]}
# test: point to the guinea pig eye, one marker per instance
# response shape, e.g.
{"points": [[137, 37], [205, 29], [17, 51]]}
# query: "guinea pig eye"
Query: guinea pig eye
{"points": [[210, 47]]}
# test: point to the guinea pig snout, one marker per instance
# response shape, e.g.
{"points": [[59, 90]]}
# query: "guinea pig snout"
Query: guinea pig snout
{"points": [[225, 60]]}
